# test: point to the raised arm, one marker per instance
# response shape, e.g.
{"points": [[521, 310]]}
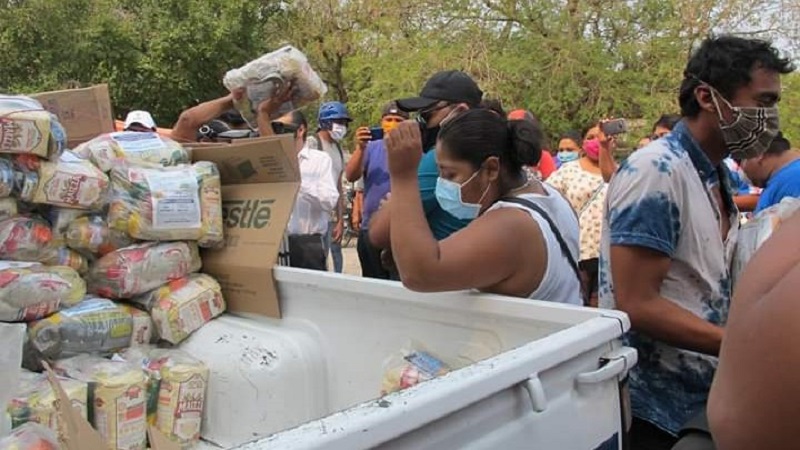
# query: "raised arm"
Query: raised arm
{"points": [[355, 166], [190, 120]]}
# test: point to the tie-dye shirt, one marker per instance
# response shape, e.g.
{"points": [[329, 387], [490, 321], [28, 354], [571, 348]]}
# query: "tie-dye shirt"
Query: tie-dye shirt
{"points": [[661, 199]]}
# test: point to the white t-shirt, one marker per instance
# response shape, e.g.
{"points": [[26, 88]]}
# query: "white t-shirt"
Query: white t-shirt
{"points": [[560, 282], [337, 159]]}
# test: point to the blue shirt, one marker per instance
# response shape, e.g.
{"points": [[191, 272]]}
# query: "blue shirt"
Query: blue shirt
{"points": [[376, 179], [442, 224], [661, 199], [783, 183]]}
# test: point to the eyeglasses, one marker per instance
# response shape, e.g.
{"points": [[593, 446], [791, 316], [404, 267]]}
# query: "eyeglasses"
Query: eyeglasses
{"points": [[424, 116], [284, 128]]}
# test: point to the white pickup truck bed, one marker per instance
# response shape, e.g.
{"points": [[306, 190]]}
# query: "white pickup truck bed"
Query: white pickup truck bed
{"points": [[544, 375]]}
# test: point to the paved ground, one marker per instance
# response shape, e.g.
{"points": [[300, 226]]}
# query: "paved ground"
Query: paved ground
{"points": [[350, 255]]}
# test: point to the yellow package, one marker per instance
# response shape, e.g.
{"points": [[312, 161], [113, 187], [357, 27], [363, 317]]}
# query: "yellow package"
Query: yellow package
{"points": [[25, 131], [183, 306], [91, 234], [35, 400], [117, 391], [133, 146], [181, 203]]}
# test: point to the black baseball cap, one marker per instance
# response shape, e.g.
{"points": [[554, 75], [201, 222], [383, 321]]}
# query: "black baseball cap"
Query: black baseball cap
{"points": [[452, 86], [391, 109]]}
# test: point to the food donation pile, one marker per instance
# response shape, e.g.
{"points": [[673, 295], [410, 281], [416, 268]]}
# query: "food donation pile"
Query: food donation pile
{"points": [[99, 257]]}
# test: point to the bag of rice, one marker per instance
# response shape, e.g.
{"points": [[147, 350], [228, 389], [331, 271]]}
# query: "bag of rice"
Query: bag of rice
{"points": [[35, 400], [74, 184], [95, 325], [27, 128], [133, 146], [181, 307], [168, 204], [32, 291], [134, 270], [117, 393], [30, 436], [92, 235], [25, 239]]}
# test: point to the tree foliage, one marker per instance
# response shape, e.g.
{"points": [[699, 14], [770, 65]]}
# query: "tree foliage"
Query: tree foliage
{"points": [[569, 61]]}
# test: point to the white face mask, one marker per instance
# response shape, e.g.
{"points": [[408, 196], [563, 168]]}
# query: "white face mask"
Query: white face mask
{"points": [[338, 132]]}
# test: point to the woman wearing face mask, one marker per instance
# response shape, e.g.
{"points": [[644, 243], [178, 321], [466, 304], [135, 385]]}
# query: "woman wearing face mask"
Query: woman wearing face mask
{"points": [[523, 241], [569, 148], [581, 182]]}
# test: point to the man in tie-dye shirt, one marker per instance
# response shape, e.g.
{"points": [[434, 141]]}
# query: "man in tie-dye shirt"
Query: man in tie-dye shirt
{"points": [[670, 229]]}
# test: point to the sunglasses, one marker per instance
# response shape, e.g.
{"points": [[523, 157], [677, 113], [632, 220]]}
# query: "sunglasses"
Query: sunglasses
{"points": [[284, 128], [423, 116]]}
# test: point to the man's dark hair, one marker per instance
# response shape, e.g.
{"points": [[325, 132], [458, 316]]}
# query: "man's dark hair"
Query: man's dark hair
{"points": [[725, 63], [575, 136], [298, 119], [493, 104], [667, 121], [478, 134], [779, 145]]}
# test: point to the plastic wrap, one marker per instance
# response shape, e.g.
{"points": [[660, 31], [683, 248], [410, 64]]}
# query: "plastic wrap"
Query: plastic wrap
{"points": [[755, 232], [92, 235], [7, 177], [133, 146], [32, 291], [168, 204], [178, 389], [71, 184], [137, 269], [61, 218], [118, 390], [12, 337], [35, 399], [183, 306], [27, 128], [95, 325], [25, 239], [265, 76], [411, 367], [8, 208], [63, 256], [30, 436]]}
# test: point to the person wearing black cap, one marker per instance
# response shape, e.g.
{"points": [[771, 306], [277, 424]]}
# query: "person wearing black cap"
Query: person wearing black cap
{"points": [[369, 160], [443, 95]]}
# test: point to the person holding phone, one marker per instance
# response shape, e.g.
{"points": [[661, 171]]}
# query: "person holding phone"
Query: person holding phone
{"points": [[368, 161]]}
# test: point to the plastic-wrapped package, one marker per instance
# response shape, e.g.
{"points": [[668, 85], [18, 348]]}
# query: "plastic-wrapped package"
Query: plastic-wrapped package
{"points": [[168, 204], [178, 389], [63, 256], [133, 146], [118, 393], [74, 184], [26, 127], [95, 325], [30, 436], [134, 270], [267, 75], [91, 234], [181, 307], [755, 232], [7, 178], [25, 239], [61, 218], [32, 291], [35, 399], [8, 208], [12, 336], [411, 367]]}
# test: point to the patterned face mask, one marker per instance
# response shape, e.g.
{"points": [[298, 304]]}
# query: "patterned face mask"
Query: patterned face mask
{"points": [[752, 131]]}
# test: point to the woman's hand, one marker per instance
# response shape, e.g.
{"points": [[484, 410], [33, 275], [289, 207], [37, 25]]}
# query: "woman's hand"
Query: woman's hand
{"points": [[607, 143], [404, 149]]}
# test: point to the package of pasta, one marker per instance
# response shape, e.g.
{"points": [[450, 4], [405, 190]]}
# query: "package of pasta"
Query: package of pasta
{"points": [[117, 393], [32, 291], [71, 184], [181, 307], [95, 325], [137, 269], [181, 203], [178, 383], [92, 235], [35, 400], [133, 146], [27, 128], [411, 367], [25, 239], [30, 436]]}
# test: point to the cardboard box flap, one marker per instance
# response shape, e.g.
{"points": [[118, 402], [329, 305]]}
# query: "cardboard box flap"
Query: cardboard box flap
{"points": [[260, 180], [246, 161], [84, 113]]}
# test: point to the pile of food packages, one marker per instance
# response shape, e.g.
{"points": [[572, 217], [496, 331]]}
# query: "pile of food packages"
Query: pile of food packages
{"points": [[99, 257]]}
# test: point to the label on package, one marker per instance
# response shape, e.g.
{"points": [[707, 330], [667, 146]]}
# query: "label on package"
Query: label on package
{"points": [[175, 199], [142, 143]]}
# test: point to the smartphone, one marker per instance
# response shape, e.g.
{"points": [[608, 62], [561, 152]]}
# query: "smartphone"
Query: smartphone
{"points": [[615, 127], [377, 133]]}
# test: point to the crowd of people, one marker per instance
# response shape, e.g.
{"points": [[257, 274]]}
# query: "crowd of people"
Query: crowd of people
{"points": [[455, 193]]}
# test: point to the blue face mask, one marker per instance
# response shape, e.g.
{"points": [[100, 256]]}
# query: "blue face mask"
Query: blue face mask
{"points": [[566, 157], [448, 194]]}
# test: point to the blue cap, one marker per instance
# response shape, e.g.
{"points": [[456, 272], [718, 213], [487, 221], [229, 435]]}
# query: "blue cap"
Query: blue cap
{"points": [[333, 111]]}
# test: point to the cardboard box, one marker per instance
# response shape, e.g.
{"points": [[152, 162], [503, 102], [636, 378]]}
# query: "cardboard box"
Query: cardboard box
{"points": [[260, 179], [84, 113]]}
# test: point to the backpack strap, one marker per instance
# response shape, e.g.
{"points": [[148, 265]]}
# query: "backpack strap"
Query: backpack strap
{"points": [[561, 242]]}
